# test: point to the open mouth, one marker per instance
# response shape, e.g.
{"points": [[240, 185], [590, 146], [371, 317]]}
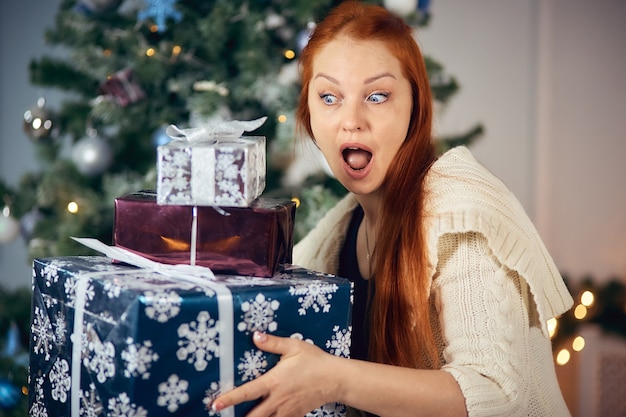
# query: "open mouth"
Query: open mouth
{"points": [[356, 158]]}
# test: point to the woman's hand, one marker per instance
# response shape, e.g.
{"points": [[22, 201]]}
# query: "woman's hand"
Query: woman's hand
{"points": [[300, 382]]}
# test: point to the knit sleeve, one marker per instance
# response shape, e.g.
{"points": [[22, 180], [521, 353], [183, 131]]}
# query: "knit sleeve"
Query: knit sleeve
{"points": [[485, 319]]}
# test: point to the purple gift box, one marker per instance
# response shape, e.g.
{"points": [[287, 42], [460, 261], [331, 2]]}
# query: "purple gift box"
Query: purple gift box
{"points": [[253, 241]]}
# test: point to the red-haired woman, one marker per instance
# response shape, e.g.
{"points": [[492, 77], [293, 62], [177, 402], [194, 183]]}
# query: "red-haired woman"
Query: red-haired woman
{"points": [[453, 284]]}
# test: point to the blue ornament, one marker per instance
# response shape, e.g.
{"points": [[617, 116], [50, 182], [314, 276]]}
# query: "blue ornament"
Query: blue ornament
{"points": [[160, 138], [160, 11], [9, 394], [423, 6]]}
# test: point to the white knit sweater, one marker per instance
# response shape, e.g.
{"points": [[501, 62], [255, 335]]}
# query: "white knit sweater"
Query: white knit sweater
{"points": [[494, 286]]}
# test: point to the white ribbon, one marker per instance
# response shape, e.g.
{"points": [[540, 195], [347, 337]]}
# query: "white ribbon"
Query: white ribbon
{"points": [[214, 132], [196, 274]]}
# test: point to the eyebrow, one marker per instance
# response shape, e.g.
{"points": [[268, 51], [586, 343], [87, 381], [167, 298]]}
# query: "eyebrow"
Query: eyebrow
{"points": [[367, 80]]}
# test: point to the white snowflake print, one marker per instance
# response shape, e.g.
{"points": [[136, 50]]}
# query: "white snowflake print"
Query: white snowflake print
{"points": [[138, 358], [198, 341], [210, 395], [60, 326], [258, 314], [112, 290], [122, 407], [173, 393], [42, 334], [300, 336], [38, 408], [162, 306], [90, 405], [315, 295], [60, 380], [70, 291], [50, 273], [101, 357], [329, 410], [253, 364], [339, 345]]}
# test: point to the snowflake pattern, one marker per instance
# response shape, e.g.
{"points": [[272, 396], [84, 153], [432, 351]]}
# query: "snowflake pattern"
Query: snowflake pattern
{"points": [[160, 11], [162, 306], [70, 291], [60, 326], [329, 410], [101, 357], [38, 408], [173, 393], [42, 334], [60, 380], [121, 406], [90, 405], [253, 364], [316, 296], [339, 345], [198, 341], [258, 314], [210, 395], [138, 358]]}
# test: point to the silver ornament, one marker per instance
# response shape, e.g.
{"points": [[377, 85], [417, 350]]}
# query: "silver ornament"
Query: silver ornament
{"points": [[92, 155]]}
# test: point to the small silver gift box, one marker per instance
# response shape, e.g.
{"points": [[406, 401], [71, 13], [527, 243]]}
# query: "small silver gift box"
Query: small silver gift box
{"points": [[212, 166]]}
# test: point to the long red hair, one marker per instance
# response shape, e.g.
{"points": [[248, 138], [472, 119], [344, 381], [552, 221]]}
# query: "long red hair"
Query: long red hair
{"points": [[401, 333]]}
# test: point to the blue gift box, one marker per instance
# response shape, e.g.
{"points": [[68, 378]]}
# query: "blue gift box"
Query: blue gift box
{"points": [[109, 339]]}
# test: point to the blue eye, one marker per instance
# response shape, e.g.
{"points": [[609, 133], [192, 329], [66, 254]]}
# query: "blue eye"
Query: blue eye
{"points": [[328, 98], [378, 97]]}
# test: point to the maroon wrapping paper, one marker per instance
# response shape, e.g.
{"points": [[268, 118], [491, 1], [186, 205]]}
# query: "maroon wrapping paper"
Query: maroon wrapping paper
{"points": [[252, 241]]}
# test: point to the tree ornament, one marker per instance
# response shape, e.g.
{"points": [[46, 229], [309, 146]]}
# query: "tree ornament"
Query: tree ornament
{"points": [[401, 7], [29, 221], [122, 87], [160, 11], [38, 121], [92, 155], [9, 227], [10, 394], [95, 7]]}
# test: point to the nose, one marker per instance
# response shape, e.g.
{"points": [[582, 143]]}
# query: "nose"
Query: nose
{"points": [[352, 116]]}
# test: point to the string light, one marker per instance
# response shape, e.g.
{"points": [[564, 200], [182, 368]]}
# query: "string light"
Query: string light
{"points": [[72, 207], [154, 28], [296, 200], [586, 298], [580, 312], [176, 50], [290, 54], [578, 343], [563, 357], [282, 118], [150, 52]]}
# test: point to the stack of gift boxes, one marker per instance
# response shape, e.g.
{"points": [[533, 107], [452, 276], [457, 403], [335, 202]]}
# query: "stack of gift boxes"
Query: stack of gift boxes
{"points": [[164, 336]]}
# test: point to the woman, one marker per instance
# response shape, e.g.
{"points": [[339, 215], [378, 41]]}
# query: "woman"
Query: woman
{"points": [[453, 285]]}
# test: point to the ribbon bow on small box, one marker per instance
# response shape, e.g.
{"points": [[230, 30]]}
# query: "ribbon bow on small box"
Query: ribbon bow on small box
{"points": [[215, 132]]}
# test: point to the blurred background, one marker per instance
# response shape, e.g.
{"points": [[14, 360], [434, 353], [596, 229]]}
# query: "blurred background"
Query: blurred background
{"points": [[544, 80]]}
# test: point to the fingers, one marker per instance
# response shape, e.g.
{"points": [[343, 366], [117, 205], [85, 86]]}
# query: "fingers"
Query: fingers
{"points": [[272, 344], [247, 392]]}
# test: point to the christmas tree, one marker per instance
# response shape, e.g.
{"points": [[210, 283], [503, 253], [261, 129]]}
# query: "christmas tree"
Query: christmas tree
{"points": [[133, 67]]}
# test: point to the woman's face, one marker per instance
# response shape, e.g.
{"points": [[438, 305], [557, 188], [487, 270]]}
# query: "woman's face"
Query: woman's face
{"points": [[360, 106]]}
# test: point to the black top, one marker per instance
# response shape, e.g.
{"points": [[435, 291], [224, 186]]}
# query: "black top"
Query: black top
{"points": [[349, 268]]}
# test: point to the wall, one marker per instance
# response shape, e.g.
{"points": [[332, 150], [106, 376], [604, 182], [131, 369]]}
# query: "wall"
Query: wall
{"points": [[22, 25], [545, 77]]}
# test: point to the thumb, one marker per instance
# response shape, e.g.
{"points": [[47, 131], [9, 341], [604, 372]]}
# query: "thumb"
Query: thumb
{"points": [[271, 344]]}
